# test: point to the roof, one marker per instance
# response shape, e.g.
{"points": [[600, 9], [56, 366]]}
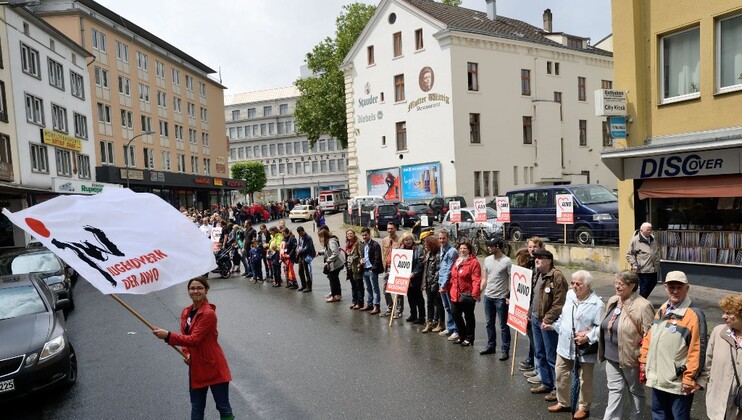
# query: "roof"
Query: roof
{"points": [[262, 95], [461, 19], [44, 25]]}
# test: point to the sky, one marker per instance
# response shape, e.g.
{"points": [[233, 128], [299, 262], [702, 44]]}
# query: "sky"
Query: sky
{"points": [[261, 44]]}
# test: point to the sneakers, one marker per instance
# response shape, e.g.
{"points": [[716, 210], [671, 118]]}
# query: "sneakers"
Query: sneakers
{"points": [[534, 380], [454, 337], [540, 390], [530, 374], [438, 328], [444, 332], [551, 397]]}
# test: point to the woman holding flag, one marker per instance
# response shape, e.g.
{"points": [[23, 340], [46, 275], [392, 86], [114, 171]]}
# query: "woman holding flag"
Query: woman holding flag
{"points": [[207, 365]]}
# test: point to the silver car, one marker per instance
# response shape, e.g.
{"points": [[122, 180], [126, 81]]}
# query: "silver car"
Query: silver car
{"points": [[491, 226]]}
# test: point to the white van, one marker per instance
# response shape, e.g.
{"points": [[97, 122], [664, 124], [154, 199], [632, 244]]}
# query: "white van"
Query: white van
{"points": [[366, 200], [333, 200]]}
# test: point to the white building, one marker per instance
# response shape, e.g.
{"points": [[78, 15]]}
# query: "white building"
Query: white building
{"points": [[445, 100], [261, 127]]}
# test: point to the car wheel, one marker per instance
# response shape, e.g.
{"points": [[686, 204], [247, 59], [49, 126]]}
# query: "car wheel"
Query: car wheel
{"points": [[71, 378], [516, 234], [293, 220], [226, 272], [583, 236]]}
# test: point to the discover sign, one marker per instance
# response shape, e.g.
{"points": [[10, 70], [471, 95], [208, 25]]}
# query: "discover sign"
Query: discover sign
{"points": [[716, 162]]}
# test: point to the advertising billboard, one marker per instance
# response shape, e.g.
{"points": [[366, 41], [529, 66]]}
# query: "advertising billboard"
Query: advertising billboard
{"points": [[384, 183], [421, 181]]}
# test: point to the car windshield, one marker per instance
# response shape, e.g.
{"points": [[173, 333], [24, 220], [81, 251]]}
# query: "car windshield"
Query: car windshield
{"points": [[418, 207], [594, 194], [28, 263], [19, 301], [491, 213], [387, 210], [300, 208]]}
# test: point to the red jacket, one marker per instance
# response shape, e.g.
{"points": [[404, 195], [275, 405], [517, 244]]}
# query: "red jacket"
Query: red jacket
{"points": [[465, 278], [208, 364]]}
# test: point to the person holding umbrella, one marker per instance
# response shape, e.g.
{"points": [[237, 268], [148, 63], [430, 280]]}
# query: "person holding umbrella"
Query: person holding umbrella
{"points": [[577, 346]]}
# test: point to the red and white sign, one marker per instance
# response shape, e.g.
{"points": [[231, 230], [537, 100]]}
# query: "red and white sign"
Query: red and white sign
{"points": [[565, 214], [520, 298], [503, 209], [455, 208], [480, 210], [120, 241], [400, 271]]}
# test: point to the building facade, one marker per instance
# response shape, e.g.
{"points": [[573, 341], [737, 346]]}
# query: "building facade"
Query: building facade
{"points": [[444, 100], [261, 127], [159, 118], [680, 167]]}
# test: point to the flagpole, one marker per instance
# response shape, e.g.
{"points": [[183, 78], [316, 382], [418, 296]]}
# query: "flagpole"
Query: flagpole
{"points": [[141, 318]]}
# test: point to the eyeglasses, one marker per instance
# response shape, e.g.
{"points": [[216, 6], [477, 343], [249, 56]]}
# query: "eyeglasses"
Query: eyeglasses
{"points": [[574, 283], [195, 288], [729, 314]]}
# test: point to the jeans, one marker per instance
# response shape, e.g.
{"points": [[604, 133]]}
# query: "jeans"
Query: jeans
{"points": [[245, 257], [436, 312], [221, 398], [618, 379], [356, 287], [531, 356], [450, 323], [334, 277], [647, 281], [494, 308], [466, 323], [373, 296], [670, 406], [545, 344]]}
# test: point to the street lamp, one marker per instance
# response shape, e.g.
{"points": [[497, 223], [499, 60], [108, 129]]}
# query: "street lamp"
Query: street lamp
{"points": [[128, 153]]}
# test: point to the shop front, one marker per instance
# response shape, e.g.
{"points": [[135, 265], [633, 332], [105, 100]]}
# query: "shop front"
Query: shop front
{"points": [[691, 192]]}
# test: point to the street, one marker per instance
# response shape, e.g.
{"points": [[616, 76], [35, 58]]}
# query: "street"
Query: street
{"points": [[292, 355]]}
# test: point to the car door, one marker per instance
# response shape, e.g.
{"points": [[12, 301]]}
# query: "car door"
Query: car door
{"points": [[467, 221]]}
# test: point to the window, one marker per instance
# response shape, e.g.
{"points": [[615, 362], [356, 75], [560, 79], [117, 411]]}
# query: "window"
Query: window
{"points": [[322, 145], [281, 128], [189, 83], [341, 165], [472, 70], [124, 86], [331, 145], [175, 76], [39, 158], [101, 77], [515, 176], [142, 61], [81, 126], [556, 69], [181, 162], [267, 111], [98, 40], [418, 39], [495, 183], [370, 55], [83, 166], [263, 129], [583, 132], [56, 74], [255, 130], [106, 152], [59, 118], [401, 136], [207, 166], [30, 61], [192, 136], [272, 149], [3, 103], [164, 129], [607, 141], [34, 110], [474, 136], [178, 132], [232, 136], [283, 109], [486, 183], [397, 40], [297, 147], [271, 128], [194, 164], [250, 112], [202, 90], [399, 88], [527, 131], [314, 167], [581, 89], [574, 43], [289, 127], [307, 168], [5, 154], [146, 124], [305, 147], [239, 132], [606, 84], [77, 85], [160, 70], [235, 115], [205, 139], [205, 118], [525, 82], [177, 105], [122, 52], [165, 160], [143, 93], [729, 51], [129, 156], [161, 99], [558, 99], [264, 150], [323, 166], [548, 67], [64, 162], [191, 108]]}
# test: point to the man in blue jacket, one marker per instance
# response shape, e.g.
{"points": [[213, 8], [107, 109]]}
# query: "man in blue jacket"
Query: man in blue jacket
{"points": [[448, 257]]}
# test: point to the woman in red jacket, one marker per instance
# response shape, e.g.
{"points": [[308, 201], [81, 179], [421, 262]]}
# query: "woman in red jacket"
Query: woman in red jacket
{"points": [[466, 277], [204, 355]]}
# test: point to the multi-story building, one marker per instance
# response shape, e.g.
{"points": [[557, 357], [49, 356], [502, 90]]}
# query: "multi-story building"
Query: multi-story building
{"points": [[680, 166], [159, 119], [48, 147], [261, 127], [444, 100]]}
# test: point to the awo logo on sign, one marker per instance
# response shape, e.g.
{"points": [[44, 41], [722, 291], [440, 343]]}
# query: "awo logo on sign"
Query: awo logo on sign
{"points": [[520, 298], [564, 209], [399, 275], [503, 209]]}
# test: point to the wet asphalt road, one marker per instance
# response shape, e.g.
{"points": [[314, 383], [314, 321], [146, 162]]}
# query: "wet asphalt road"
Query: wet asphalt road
{"points": [[292, 356]]}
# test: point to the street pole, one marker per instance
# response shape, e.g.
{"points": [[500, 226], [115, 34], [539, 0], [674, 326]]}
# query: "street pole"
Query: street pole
{"points": [[128, 153]]}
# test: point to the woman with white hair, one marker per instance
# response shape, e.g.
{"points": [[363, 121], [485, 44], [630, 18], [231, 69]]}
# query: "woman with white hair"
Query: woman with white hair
{"points": [[578, 329]]}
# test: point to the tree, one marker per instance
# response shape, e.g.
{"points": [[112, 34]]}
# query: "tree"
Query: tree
{"points": [[253, 173], [452, 2], [321, 107]]}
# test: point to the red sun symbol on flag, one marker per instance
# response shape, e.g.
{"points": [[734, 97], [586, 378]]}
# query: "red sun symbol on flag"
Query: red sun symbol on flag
{"points": [[38, 227]]}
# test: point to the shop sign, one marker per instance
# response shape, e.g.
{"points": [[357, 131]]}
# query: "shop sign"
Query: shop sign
{"points": [[235, 184], [156, 176], [65, 185], [609, 102], [134, 174], [202, 181], [618, 127], [431, 100], [6, 171], [63, 141], [218, 182], [716, 162]]}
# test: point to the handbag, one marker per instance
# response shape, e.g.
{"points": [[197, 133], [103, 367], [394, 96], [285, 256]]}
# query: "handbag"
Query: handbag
{"points": [[586, 348], [738, 390]]}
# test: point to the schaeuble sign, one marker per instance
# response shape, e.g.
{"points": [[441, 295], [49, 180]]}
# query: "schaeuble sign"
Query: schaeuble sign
{"points": [[717, 162]]}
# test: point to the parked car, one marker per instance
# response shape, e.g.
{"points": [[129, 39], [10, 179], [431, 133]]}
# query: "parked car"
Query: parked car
{"points": [[468, 224], [411, 213], [303, 212], [333, 201], [440, 205], [385, 214], [35, 351], [56, 274], [533, 213], [365, 200]]}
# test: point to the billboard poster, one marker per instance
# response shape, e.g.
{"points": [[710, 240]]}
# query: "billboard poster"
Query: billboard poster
{"points": [[421, 181], [384, 183]]}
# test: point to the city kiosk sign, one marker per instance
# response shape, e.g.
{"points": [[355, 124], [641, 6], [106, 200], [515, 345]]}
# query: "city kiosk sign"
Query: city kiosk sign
{"points": [[715, 162], [610, 102]]}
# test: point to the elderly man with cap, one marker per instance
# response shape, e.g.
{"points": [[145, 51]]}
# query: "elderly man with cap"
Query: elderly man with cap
{"points": [[550, 293], [673, 351], [496, 290]]}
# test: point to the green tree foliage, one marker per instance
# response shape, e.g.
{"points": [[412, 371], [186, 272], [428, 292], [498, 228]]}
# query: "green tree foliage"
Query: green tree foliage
{"points": [[321, 107], [254, 175], [452, 2]]}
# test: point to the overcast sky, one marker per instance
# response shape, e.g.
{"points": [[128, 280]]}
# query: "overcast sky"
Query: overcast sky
{"points": [[260, 44]]}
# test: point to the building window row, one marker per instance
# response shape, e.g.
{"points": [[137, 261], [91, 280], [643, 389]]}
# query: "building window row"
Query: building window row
{"points": [[261, 130], [283, 149]]}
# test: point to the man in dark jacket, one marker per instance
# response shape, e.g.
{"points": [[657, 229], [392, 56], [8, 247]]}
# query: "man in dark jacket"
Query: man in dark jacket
{"points": [[372, 266], [249, 235], [305, 253], [290, 258]]}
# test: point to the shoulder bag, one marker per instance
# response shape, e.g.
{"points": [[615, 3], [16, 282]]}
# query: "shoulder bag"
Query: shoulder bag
{"points": [[738, 391], [586, 348]]}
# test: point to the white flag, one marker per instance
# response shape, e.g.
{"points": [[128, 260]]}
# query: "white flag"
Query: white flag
{"points": [[120, 241]]}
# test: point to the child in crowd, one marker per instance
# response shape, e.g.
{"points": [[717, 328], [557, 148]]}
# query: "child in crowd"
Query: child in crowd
{"points": [[256, 258], [275, 259]]}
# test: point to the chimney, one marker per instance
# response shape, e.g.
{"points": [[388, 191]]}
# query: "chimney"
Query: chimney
{"points": [[547, 20], [491, 9]]}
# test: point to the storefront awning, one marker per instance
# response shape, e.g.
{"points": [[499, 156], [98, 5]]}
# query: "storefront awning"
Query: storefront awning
{"points": [[706, 186]]}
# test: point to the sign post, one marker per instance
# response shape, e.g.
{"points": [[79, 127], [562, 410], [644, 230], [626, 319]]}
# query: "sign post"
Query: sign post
{"points": [[399, 276], [519, 303], [565, 214], [480, 210]]}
